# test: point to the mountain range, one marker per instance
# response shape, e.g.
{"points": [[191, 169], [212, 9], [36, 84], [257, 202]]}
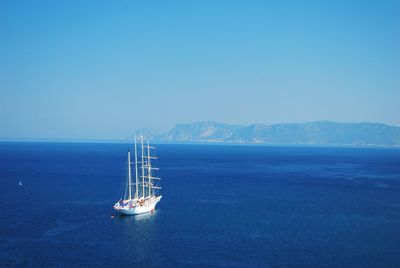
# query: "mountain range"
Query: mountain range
{"points": [[311, 133]]}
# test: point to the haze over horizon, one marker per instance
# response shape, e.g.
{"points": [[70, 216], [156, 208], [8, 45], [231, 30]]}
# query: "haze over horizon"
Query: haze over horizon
{"points": [[102, 69]]}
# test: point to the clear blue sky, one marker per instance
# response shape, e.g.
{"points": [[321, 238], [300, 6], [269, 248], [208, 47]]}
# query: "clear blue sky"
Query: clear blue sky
{"points": [[102, 69]]}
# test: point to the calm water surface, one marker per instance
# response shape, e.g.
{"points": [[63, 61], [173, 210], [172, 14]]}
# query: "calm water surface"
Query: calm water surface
{"points": [[222, 206]]}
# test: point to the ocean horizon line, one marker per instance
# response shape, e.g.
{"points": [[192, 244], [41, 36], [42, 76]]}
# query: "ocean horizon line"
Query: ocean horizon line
{"points": [[218, 143]]}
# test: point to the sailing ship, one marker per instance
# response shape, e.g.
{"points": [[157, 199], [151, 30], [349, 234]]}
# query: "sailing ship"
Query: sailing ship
{"points": [[141, 195]]}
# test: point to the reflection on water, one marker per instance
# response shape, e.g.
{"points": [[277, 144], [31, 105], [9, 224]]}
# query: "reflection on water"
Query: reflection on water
{"points": [[139, 233]]}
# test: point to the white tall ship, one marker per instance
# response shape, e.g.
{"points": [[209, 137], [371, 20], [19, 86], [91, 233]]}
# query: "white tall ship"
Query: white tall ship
{"points": [[140, 196]]}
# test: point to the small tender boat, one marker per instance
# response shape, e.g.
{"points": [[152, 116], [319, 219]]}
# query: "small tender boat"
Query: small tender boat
{"points": [[141, 195]]}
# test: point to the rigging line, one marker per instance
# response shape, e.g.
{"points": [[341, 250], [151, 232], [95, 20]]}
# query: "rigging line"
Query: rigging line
{"points": [[122, 189]]}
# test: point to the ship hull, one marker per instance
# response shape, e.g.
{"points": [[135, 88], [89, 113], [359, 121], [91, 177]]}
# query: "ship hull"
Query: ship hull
{"points": [[148, 206]]}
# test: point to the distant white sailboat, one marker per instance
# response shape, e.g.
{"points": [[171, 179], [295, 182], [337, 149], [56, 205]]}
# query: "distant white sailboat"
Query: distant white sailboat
{"points": [[143, 198], [20, 183]]}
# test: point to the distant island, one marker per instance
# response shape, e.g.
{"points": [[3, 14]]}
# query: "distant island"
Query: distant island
{"points": [[311, 133]]}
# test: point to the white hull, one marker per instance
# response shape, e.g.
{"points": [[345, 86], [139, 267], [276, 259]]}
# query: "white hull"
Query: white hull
{"points": [[148, 206]]}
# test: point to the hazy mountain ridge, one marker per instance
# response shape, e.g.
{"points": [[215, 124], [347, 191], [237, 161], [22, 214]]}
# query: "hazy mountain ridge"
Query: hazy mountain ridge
{"points": [[318, 133]]}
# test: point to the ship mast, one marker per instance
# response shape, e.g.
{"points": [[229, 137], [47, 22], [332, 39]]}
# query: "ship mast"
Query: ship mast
{"points": [[129, 177], [149, 167], [143, 193], [136, 173]]}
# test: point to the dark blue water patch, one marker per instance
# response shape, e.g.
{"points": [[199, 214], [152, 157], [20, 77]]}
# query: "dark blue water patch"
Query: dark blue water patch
{"points": [[222, 206]]}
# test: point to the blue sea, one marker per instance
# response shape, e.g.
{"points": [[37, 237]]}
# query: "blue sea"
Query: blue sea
{"points": [[222, 206]]}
